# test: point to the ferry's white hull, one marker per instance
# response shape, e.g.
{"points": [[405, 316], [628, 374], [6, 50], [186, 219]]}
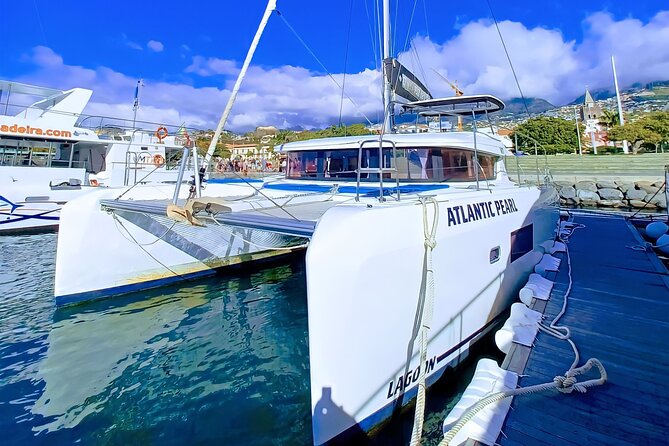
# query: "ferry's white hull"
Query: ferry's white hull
{"points": [[27, 200], [365, 267]]}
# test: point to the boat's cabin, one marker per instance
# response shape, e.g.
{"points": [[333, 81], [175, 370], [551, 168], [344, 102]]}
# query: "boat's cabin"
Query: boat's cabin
{"points": [[415, 164], [419, 157]]}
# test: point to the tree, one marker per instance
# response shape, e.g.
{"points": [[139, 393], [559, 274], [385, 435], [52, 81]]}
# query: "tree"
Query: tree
{"points": [[554, 135], [202, 142], [651, 128], [609, 118]]}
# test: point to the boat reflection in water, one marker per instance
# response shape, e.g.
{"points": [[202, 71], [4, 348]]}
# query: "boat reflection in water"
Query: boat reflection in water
{"points": [[169, 365]]}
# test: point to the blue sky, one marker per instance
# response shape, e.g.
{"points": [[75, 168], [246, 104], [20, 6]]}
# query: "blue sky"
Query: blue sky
{"points": [[189, 53]]}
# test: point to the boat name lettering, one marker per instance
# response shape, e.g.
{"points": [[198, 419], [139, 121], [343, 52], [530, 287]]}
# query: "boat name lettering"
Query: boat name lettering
{"points": [[477, 211], [28, 130], [409, 85], [404, 381]]}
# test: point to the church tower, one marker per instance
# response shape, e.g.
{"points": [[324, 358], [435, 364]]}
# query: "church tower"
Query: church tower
{"points": [[590, 110], [590, 114]]}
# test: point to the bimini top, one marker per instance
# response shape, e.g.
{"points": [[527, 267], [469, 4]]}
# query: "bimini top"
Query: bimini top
{"points": [[456, 105], [461, 140]]}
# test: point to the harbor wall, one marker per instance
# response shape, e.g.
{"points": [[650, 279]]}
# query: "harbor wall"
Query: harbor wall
{"points": [[642, 194]]}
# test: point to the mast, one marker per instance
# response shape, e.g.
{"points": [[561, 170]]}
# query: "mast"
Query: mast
{"points": [[387, 112], [620, 105], [271, 6]]}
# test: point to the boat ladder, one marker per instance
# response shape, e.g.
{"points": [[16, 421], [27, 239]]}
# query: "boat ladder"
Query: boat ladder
{"points": [[380, 170]]}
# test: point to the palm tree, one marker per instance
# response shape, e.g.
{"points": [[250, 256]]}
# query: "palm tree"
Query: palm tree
{"points": [[609, 119]]}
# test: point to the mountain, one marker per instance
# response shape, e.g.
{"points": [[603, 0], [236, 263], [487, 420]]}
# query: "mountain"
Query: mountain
{"points": [[605, 93], [515, 106], [597, 95]]}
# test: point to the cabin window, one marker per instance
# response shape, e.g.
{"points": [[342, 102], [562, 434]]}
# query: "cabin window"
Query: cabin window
{"points": [[522, 242], [412, 164], [495, 254]]}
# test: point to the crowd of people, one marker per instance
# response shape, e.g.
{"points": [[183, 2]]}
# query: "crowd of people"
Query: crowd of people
{"points": [[246, 165]]}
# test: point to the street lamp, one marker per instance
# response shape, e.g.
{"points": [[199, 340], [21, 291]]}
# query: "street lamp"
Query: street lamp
{"points": [[578, 132]]}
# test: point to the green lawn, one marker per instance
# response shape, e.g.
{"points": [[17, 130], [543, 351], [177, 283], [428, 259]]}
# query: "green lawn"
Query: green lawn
{"points": [[644, 165]]}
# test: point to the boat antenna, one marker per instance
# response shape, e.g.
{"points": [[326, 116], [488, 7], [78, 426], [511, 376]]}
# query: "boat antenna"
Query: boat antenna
{"points": [[509, 59], [271, 6]]}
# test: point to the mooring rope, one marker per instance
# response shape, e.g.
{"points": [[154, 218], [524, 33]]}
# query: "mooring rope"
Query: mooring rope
{"points": [[564, 384], [430, 236]]}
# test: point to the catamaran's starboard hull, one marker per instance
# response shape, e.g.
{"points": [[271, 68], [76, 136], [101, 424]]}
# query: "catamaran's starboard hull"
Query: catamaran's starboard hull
{"points": [[365, 267]]}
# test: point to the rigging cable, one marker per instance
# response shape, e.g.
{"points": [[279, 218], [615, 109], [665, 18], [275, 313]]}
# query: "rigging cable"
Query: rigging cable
{"points": [[39, 21], [509, 59], [321, 64], [372, 31], [343, 83], [379, 48]]}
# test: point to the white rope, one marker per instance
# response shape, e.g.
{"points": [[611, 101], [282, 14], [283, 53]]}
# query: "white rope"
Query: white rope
{"points": [[561, 332], [430, 234], [564, 384]]}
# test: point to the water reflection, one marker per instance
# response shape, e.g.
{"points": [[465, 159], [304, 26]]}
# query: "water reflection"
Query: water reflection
{"points": [[88, 351], [223, 360]]}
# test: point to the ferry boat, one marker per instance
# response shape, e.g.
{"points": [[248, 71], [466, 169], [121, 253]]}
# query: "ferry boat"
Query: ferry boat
{"points": [[415, 244], [50, 153]]}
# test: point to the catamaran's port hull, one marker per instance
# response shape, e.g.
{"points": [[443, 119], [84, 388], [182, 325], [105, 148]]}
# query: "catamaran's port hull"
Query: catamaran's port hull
{"points": [[103, 253]]}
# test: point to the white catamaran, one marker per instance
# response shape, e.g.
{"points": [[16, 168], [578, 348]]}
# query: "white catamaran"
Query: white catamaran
{"points": [[50, 153], [415, 244]]}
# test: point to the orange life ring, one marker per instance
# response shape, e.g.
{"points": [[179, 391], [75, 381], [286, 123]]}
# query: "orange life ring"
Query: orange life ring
{"points": [[93, 182], [161, 133], [158, 160]]}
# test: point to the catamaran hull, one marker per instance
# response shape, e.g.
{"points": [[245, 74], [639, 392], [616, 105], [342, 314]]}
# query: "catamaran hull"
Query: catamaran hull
{"points": [[137, 250], [365, 266]]}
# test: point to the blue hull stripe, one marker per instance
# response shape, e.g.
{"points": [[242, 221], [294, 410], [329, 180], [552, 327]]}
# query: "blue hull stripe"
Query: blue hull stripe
{"points": [[386, 411], [22, 217], [86, 296]]}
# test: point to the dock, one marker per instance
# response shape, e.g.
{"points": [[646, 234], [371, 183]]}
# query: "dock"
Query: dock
{"points": [[618, 312]]}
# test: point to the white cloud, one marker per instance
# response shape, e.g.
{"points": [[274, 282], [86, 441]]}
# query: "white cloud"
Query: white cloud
{"points": [[212, 66], [129, 43], [547, 65], [155, 45]]}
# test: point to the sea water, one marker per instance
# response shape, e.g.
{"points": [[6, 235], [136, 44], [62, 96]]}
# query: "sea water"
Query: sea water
{"points": [[217, 361], [221, 361]]}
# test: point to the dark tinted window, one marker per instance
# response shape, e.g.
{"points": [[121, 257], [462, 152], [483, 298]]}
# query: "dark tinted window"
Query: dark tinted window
{"points": [[413, 164], [522, 242]]}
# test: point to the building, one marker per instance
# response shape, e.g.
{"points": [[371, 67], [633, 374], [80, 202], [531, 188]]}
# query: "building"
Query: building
{"points": [[591, 112]]}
